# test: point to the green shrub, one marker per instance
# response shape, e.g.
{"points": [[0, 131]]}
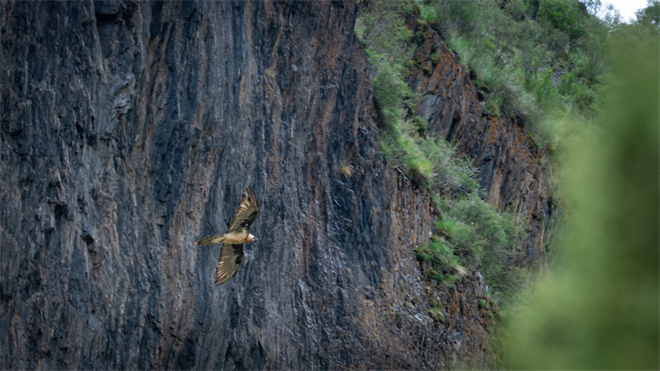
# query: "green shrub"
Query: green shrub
{"points": [[483, 239], [564, 16], [449, 171], [441, 255], [383, 30], [436, 313]]}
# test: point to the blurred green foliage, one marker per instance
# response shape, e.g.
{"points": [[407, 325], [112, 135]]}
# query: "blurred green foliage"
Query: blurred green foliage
{"points": [[599, 309]]}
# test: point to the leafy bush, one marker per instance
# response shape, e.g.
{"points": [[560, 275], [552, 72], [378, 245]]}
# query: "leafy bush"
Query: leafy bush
{"points": [[449, 171], [442, 256], [484, 240], [565, 16], [472, 235]]}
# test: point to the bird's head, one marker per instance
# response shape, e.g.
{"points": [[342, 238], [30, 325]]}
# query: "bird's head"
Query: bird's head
{"points": [[250, 238]]}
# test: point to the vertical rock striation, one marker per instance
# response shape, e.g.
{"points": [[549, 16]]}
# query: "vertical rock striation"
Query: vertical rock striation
{"points": [[129, 130]]}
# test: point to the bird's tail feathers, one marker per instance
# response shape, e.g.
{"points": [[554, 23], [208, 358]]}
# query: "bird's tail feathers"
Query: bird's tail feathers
{"points": [[210, 240]]}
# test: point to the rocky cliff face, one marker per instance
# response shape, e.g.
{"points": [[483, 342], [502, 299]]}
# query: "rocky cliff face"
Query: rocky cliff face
{"points": [[129, 130], [511, 168]]}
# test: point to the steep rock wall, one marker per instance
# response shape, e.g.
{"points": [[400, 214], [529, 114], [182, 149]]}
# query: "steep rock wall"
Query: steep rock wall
{"points": [[130, 129], [511, 168]]}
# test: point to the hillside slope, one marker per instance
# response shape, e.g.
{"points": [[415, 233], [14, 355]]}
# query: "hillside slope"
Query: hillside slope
{"points": [[129, 130]]}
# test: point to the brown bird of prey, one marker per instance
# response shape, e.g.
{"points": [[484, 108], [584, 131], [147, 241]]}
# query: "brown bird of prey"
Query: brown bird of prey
{"points": [[232, 242]]}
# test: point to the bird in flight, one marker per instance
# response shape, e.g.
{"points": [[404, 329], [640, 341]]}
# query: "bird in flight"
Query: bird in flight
{"points": [[232, 242]]}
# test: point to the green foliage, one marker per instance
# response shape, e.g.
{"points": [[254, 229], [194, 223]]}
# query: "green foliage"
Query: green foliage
{"points": [[473, 235], [532, 58], [383, 30], [565, 16], [436, 312], [484, 240], [483, 304], [648, 18], [449, 171], [599, 307], [445, 263]]}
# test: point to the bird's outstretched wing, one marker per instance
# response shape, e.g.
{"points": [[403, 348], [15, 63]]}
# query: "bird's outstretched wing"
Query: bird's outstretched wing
{"points": [[245, 214], [230, 260], [210, 240]]}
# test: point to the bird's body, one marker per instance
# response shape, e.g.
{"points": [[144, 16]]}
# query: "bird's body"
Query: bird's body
{"points": [[230, 238], [232, 241]]}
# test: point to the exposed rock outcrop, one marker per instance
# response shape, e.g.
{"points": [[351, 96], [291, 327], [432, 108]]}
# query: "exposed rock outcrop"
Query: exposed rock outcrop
{"points": [[511, 168], [130, 129]]}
